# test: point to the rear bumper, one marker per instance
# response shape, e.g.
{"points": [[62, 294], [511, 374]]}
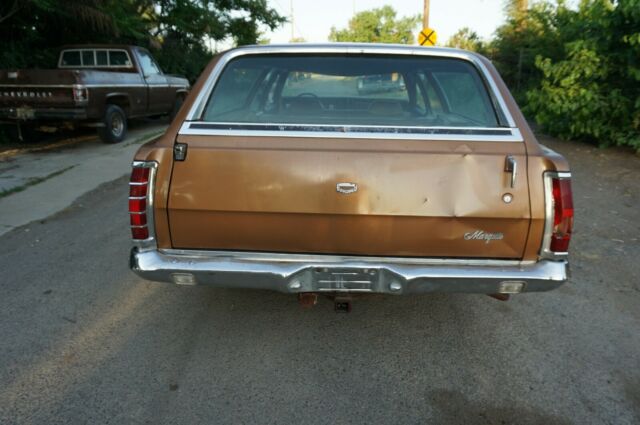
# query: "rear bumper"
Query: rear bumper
{"points": [[293, 273], [53, 114]]}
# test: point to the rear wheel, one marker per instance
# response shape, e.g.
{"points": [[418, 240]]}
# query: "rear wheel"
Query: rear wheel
{"points": [[115, 125]]}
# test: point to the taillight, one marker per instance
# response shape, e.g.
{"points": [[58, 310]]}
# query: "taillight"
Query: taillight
{"points": [[559, 210], [140, 186], [80, 94]]}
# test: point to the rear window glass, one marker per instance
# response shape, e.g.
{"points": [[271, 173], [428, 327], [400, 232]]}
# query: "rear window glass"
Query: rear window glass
{"points": [[71, 58], [101, 58], [87, 58], [351, 90]]}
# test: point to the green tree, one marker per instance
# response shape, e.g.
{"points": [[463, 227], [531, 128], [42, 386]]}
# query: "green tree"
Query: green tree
{"points": [[466, 39], [175, 30], [378, 26], [593, 91]]}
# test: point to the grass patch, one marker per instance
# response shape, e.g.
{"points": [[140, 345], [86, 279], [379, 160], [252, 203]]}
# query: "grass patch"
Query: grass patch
{"points": [[33, 181]]}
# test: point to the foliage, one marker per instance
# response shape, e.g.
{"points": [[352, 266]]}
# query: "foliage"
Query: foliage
{"points": [[175, 30], [577, 70], [466, 39], [593, 92], [378, 26]]}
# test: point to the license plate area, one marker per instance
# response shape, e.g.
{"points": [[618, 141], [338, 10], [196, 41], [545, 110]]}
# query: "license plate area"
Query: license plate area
{"points": [[346, 279], [25, 113]]}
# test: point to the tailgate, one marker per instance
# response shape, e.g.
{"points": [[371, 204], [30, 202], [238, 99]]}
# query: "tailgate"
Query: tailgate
{"points": [[37, 87], [420, 198]]}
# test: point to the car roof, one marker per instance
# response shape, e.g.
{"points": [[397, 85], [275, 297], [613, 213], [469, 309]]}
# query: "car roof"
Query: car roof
{"points": [[399, 48]]}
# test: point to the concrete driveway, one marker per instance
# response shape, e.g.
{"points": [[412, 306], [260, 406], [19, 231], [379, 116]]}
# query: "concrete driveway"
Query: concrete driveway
{"points": [[83, 340], [35, 185]]}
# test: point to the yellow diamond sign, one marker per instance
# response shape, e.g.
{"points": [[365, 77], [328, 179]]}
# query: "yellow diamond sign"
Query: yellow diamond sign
{"points": [[427, 37]]}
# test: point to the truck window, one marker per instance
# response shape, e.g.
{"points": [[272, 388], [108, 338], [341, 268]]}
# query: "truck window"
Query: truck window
{"points": [[71, 58], [371, 90], [148, 65], [119, 58], [101, 58], [87, 58]]}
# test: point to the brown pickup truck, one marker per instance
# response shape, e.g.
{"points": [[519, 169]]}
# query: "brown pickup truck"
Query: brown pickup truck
{"points": [[95, 85], [282, 173]]}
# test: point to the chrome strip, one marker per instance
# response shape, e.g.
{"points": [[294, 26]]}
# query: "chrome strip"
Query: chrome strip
{"points": [[198, 106], [328, 258], [73, 85], [149, 243], [545, 250], [513, 135], [294, 273]]}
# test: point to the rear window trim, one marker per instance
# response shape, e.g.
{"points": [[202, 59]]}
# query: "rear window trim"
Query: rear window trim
{"points": [[197, 110], [489, 134]]}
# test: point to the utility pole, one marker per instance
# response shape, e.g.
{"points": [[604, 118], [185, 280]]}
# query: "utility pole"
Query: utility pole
{"points": [[291, 9], [425, 15]]}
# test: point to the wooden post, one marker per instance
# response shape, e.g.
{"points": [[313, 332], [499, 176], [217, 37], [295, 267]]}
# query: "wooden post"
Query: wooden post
{"points": [[425, 15]]}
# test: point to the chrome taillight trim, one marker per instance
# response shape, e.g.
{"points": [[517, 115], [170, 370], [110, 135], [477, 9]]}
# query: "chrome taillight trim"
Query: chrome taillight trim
{"points": [[545, 251], [149, 243]]}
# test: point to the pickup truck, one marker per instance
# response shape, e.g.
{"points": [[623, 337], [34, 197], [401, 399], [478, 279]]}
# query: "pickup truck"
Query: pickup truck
{"points": [[94, 85], [309, 185]]}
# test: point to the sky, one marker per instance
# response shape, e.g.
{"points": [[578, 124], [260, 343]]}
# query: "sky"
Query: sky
{"points": [[313, 19]]}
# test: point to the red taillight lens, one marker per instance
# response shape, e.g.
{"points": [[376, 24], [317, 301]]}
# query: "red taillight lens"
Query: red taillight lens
{"points": [[137, 205], [138, 190], [138, 195], [138, 219], [140, 175], [562, 215], [140, 233]]}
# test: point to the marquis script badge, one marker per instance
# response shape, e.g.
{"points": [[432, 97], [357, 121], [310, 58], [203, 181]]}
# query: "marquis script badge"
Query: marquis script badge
{"points": [[481, 235]]}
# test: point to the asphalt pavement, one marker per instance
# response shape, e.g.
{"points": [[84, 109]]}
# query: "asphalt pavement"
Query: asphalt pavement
{"points": [[84, 341]]}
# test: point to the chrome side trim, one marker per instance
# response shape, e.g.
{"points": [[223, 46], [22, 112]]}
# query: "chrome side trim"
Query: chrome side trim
{"points": [[293, 273], [74, 85], [545, 251], [197, 109], [357, 132], [150, 243]]}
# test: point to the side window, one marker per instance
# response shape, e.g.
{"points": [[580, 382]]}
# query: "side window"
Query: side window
{"points": [[148, 65], [70, 58], [119, 58], [87, 58]]}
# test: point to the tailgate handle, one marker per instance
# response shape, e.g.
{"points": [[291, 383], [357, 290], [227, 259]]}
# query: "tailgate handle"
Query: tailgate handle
{"points": [[511, 166]]}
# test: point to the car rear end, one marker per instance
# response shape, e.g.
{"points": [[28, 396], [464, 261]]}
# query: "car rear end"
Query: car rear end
{"points": [[284, 174]]}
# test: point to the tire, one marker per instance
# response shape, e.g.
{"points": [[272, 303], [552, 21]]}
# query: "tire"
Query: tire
{"points": [[115, 125]]}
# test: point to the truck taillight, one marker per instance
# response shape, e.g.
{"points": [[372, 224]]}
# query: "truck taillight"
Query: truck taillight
{"points": [[559, 210], [80, 94], [140, 199]]}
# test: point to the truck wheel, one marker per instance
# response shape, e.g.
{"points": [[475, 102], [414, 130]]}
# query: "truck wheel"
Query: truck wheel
{"points": [[177, 104], [115, 125]]}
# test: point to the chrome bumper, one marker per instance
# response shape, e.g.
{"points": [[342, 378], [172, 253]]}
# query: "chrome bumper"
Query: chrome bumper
{"points": [[293, 273]]}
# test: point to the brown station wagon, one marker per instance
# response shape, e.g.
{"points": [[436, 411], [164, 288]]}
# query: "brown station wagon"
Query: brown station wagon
{"points": [[341, 168]]}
